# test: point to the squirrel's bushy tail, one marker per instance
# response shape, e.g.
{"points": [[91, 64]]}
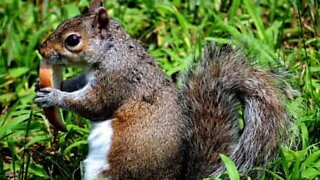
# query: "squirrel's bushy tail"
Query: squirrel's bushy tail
{"points": [[213, 95]]}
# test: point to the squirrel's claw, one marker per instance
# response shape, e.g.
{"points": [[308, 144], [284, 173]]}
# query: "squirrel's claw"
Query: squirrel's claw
{"points": [[47, 97], [47, 90]]}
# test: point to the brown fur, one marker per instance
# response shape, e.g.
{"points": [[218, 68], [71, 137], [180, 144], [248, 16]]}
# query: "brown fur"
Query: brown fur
{"points": [[147, 145]]}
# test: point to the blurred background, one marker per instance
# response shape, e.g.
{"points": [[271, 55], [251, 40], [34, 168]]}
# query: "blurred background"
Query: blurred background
{"points": [[281, 35]]}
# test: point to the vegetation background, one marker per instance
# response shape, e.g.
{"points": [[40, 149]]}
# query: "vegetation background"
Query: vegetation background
{"points": [[282, 35]]}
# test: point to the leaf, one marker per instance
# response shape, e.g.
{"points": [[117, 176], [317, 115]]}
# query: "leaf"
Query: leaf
{"points": [[17, 72], [285, 155], [37, 170], [310, 173], [304, 135], [317, 165], [315, 69], [299, 158], [219, 40], [10, 125], [231, 167], [273, 33], [74, 145], [312, 158], [234, 7], [295, 107], [7, 97], [72, 10], [163, 9], [33, 141], [256, 19], [273, 174]]}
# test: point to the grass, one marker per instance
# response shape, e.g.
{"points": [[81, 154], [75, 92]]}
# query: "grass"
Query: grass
{"points": [[280, 35]]}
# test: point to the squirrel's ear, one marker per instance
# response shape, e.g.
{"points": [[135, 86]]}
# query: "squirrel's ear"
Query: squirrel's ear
{"points": [[95, 6], [101, 19]]}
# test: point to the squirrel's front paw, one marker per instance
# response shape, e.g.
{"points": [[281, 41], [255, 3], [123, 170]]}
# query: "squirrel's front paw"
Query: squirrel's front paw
{"points": [[48, 97]]}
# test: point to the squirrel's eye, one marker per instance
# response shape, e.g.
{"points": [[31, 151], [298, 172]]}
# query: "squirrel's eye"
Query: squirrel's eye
{"points": [[72, 40]]}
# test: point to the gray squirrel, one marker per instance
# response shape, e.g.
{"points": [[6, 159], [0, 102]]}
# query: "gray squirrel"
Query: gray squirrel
{"points": [[143, 127]]}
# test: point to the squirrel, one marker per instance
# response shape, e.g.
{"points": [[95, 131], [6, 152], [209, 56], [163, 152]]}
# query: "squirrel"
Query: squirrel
{"points": [[143, 126]]}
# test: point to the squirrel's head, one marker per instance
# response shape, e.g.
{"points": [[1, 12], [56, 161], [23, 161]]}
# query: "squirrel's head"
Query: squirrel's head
{"points": [[85, 40]]}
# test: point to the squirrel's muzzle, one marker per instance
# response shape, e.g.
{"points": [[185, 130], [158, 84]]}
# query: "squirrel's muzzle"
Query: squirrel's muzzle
{"points": [[42, 51], [49, 52]]}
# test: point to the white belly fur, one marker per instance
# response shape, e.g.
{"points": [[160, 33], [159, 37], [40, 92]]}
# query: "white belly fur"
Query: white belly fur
{"points": [[100, 141]]}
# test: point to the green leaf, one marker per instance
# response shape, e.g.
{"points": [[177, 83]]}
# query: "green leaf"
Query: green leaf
{"points": [[17, 72], [72, 10], [304, 135], [231, 167], [299, 158], [10, 125], [312, 158], [310, 173], [34, 140], [37, 170], [7, 97], [74, 145], [234, 7], [284, 159], [256, 18], [315, 69]]}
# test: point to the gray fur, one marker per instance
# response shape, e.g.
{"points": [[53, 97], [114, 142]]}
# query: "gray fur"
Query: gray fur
{"points": [[221, 80]]}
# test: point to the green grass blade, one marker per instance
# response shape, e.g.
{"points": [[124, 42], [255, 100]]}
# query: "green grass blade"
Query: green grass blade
{"points": [[256, 19], [231, 167]]}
